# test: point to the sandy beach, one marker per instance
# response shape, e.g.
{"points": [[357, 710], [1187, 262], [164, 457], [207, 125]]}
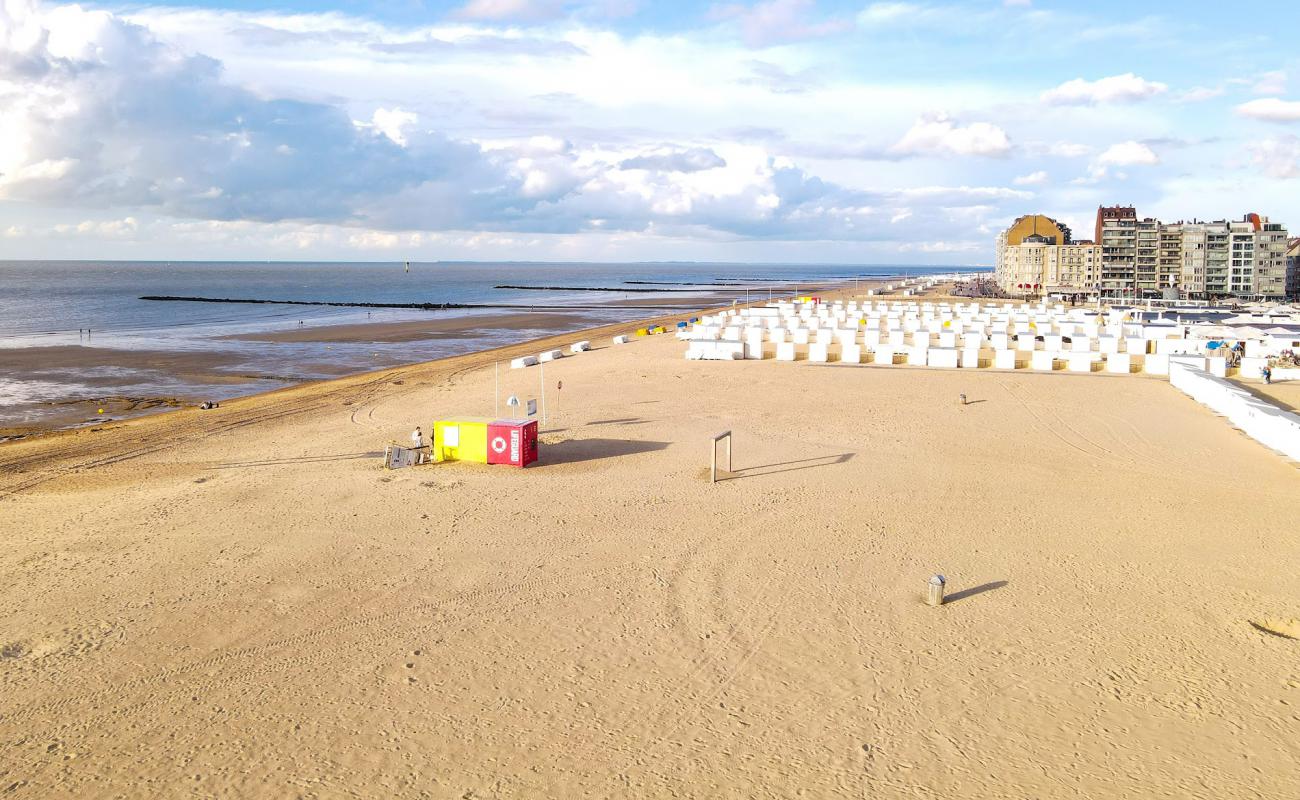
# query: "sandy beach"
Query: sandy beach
{"points": [[243, 602]]}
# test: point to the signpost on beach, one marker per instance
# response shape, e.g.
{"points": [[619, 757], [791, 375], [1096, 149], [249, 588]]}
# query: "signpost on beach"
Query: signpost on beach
{"points": [[713, 455], [541, 378]]}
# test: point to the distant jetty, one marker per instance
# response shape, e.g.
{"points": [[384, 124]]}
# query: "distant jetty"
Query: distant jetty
{"points": [[413, 306], [587, 289]]}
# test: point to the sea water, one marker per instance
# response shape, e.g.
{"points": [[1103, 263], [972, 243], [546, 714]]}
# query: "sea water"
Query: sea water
{"points": [[97, 303]]}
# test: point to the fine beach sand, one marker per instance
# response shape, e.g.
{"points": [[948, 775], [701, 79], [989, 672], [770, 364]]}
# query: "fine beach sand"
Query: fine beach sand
{"points": [[243, 603]]}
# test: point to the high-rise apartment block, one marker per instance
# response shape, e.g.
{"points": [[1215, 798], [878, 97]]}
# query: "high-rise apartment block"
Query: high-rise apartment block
{"points": [[1293, 268], [1143, 257]]}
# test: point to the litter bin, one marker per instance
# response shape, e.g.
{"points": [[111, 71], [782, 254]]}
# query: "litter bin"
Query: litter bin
{"points": [[934, 590]]}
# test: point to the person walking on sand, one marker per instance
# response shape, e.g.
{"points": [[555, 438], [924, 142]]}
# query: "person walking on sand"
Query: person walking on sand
{"points": [[1268, 376]]}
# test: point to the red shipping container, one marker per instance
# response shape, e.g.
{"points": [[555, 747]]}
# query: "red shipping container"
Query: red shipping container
{"points": [[512, 441]]}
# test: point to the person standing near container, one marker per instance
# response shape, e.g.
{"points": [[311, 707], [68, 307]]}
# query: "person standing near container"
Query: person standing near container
{"points": [[417, 442]]}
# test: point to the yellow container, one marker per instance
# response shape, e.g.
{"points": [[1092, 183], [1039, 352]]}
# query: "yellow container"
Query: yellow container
{"points": [[462, 439], [641, 331]]}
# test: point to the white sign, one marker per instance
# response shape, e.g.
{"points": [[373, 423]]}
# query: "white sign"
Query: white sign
{"points": [[451, 436], [396, 457], [532, 408]]}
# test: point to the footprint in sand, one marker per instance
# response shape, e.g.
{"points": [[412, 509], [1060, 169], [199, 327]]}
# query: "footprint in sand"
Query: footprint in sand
{"points": [[66, 642]]}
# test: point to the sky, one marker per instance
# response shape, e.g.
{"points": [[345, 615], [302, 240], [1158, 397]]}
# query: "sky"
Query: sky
{"points": [[629, 130]]}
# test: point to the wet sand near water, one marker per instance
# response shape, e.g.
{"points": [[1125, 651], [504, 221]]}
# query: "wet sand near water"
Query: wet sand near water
{"points": [[244, 603], [419, 330], [74, 358], [99, 375]]}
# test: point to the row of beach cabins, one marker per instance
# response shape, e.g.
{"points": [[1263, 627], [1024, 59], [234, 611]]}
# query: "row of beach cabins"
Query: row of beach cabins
{"points": [[1040, 337], [971, 335]]}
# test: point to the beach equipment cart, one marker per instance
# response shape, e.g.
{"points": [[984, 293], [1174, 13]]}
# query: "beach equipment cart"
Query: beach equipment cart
{"points": [[463, 439], [512, 442]]}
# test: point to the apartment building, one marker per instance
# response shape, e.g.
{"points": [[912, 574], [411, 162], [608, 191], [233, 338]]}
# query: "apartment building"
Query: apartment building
{"points": [[1131, 253], [1039, 266], [1200, 260], [1250, 258], [1293, 268]]}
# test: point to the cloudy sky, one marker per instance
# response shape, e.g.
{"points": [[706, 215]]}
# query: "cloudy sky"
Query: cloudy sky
{"points": [[887, 132]]}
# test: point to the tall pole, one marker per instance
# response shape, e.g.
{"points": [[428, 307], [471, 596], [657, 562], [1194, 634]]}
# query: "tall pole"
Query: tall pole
{"points": [[541, 376]]}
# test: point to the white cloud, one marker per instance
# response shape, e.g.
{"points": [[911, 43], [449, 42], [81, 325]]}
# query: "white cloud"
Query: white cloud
{"points": [[964, 195], [943, 246], [939, 134], [1032, 179], [391, 122], [777, 21], [1069, 150], [1126, 88], [694, 159], [1200, 94], [511, 9], [884, 13], [1128, 154], [89, 135], [1270, 83], [1271, 109], [1277, 158], [1123, 154], [502, 134]]}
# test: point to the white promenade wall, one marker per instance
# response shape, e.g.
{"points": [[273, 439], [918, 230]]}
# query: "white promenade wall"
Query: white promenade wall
{"points": [[1264, 422]]}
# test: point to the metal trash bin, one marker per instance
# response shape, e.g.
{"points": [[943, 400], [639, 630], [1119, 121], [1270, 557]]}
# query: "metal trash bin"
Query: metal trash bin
{"points": [[934, 590]]}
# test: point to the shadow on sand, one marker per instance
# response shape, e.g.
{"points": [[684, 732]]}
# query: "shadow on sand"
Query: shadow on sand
{"points": [[572, 451], [785, 466], [623, 421], [972, 591], [273, 462]]}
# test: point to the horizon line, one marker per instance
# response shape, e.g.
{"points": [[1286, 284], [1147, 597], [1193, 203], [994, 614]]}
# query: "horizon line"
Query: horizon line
{"points": [[490, 261]]}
